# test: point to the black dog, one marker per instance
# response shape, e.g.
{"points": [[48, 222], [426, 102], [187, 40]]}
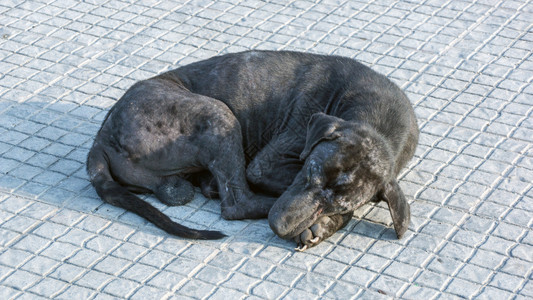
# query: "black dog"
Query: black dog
{"points": [[324, 133], [158, 133]]}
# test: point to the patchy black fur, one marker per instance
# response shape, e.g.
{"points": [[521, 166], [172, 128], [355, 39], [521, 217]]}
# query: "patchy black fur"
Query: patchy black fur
{"points": [[324, 133], [349, 127]]}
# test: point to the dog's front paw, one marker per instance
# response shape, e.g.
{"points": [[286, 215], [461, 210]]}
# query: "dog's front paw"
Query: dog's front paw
{"points": [[254, 172], [315, 234], [323, 228], [257, 207], [231, 212]]}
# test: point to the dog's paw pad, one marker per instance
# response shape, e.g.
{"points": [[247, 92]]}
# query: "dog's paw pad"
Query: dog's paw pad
{"points": [[306, 240], [313, 235]]}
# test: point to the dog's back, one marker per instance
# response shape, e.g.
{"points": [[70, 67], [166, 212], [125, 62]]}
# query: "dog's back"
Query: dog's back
{"points": [[267, 86]]}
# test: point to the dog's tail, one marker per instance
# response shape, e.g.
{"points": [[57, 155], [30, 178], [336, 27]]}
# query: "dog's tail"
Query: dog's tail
{"points": [[115, 194]]}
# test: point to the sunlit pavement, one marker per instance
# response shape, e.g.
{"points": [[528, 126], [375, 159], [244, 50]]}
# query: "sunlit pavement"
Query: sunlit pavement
{"points": [[466, 66]]}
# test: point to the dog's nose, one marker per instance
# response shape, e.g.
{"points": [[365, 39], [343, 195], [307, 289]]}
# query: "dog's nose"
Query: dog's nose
{"points": [[279, 224]]}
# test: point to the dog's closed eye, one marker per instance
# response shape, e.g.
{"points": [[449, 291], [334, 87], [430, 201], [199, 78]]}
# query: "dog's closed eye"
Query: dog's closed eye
{"points": [[314, 173]]}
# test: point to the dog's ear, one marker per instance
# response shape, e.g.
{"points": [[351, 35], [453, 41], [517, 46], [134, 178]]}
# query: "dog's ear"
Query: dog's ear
{"points": [[398, 206], [320, 127]]}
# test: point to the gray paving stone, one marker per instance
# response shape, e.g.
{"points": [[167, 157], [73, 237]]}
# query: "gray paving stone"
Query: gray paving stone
{"points": [[213, 275], [523, 252], [517, 267], [167, 280], [20, 224], [241, 282], [466, 67], [256, 268], [32, 244], [67, 273], [40, 265], [59, 251], [94, 280], [330, 268], [48, 287], [359, 276], [268, 290], [527, 290], [121, 287], [147, 292], [462, 288], [75, 291], [50, 230], [315, 284], [493, 293], [140, 273], [419, 292], [285, 275], [295, 294], [431, 279], [21, 280], [225, 293]]}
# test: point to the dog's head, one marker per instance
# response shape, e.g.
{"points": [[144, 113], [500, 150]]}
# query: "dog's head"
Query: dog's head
{"points": [[346, 165]]}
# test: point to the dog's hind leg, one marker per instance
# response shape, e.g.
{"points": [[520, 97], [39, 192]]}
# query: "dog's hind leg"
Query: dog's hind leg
{"points": [[174, 190], [206, 182], [208, 186]]}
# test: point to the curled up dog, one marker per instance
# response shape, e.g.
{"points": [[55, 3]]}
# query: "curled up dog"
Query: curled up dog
{"points": [[301, 138]]}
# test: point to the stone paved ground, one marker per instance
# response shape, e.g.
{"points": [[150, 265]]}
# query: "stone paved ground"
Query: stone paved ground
{"points": [[467, 67]]}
